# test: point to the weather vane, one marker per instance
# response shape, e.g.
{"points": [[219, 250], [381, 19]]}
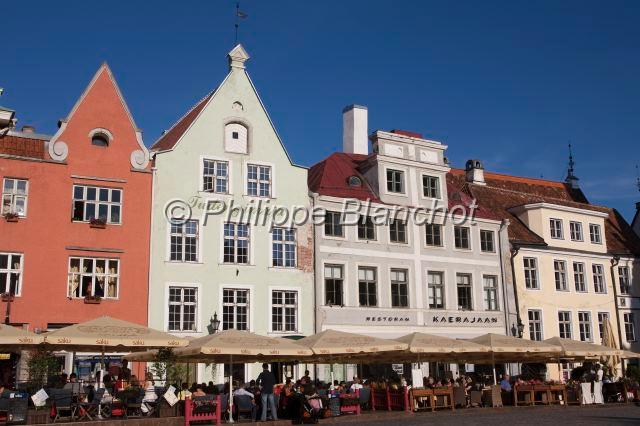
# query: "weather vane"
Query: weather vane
{"points": [[239, 15]]}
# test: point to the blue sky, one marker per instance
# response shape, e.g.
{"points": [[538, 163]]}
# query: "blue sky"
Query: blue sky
{"points": [[509, 82]]}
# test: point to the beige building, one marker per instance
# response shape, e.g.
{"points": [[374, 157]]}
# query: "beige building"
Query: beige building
{"points": [[574, 263]]}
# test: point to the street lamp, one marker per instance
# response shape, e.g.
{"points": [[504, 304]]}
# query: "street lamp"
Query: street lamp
{"points": [[520, 328], [214, 324]]}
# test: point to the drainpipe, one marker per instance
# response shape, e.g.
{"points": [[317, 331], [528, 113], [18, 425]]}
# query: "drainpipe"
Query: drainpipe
{"points": [[514, 253], [615, 260], [314, 197]]}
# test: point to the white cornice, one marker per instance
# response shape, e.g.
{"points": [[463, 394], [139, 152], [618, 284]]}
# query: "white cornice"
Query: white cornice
{"points": [[559, 207]]}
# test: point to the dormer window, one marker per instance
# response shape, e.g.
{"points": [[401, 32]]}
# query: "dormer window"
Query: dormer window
{"points": [[100, 137], [236, 138], [354, 181]]}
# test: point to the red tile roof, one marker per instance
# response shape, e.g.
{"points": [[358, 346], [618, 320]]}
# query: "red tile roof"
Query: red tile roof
{"points": [[330, 177], [503, 192], [22, 146], [169, 139]]}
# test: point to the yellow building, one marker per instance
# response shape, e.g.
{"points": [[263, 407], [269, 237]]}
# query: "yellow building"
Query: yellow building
{"points": [[572, 262]]}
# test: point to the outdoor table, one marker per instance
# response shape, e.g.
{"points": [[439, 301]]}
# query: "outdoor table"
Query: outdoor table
{"points": [[541, 394], [418, 396], [557, 394], [444, 394], [527, 391]]}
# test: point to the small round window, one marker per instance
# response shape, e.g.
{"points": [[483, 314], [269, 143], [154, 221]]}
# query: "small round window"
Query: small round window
{"points": [[99, 140], [354, 181]]}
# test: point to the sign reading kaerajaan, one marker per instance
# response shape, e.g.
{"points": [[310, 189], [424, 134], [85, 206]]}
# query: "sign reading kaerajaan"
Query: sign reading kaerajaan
{"points": [[458, 319]]}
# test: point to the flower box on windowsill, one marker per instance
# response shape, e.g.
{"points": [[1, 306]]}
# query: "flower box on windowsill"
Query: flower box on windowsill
{"points": [[97, 223], [11, 217], [92, 300]]}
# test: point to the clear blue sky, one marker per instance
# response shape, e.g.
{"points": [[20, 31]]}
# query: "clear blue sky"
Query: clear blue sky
{"points": [[509, 82]]}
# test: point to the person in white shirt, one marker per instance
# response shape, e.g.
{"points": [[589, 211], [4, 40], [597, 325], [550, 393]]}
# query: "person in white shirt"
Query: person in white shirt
{"points": [[241, 391], [356, 384], [599, 373]]}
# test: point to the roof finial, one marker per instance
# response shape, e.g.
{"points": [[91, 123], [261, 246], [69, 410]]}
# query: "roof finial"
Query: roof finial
{"points": [[239, 15], [571, 177]]}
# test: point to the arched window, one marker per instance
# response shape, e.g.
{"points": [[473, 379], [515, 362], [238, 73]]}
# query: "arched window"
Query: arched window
{"points": [[100, 137], [236, 138]]}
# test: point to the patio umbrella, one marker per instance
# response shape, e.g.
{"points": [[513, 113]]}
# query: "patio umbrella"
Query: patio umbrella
{"points": [[609, 340], [576, 349], [430, 344], [244, 346], [514, 348], [14, 338]]}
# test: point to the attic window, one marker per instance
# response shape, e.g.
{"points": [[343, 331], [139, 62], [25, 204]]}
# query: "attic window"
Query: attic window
{"points": [[236, 138], [99, 140], [235, 135], [354, 181]]}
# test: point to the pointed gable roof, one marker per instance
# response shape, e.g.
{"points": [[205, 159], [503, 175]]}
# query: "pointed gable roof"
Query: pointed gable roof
{"points": [[171, 137]]}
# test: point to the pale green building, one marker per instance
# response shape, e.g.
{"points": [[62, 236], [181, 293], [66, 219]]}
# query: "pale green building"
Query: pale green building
{"points": [[225, 153]]}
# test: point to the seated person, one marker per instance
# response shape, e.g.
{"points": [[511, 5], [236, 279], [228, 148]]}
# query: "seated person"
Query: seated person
{"points": [[356, 385], [505, 385], [184, 392], [73, 385], [199, 391], [240, 391]]}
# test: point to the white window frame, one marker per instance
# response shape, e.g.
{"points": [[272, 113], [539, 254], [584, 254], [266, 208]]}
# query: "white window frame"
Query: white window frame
{"points": [[490, 292], [95, 275], [469, 286], [284, 244], [393, 222], [235, 239], [493, 240], [583, 324], [531, 273], [13, 195], [373, 225], [395, 173], [560, 275], [598, 278], [342, 268], [631, 324], [556, 232], [539, 321], [182, 303], [11, 270], [399, 283], [376, 282], [438, 226], [601, 323], [595, 233], [96, 202], [442, 286], [333, 226], [582, 272], [235, 304], [575, 231], [438, 188], [216, 164], [624, 280], [567, 323], [184, 237], [284, 306], [455, 239], [271, 181]]}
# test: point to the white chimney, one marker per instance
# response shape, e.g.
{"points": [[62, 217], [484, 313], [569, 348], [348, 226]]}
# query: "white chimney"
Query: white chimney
{"points": [[474, 171], [355, 138]]}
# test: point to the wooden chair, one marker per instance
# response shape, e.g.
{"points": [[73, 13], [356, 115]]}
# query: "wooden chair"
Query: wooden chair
{"points": [[65, 408], [243, 405], [459, 397]]}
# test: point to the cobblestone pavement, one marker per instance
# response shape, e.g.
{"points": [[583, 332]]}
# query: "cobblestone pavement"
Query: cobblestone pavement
{"points": [[610, 414]]}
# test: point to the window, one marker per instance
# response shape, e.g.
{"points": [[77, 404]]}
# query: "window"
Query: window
{"points": [[399, 288], [93, 277], [235, 309], [182, 308], [575, 229], [284, 311], [535, 324], [560, 271], [431, 186], [367, 287], [184, 242], [623, 278], [284, 247], [629, 327], [14, 196], [578, 277], [10, 273], [398, 231], [100, 140], [584, 323], [486, 241], [490, 287], [555, 226], [435, 289], [599, 285], [594, 233], [91, 202], [366, 228], [463, 282], [603, 317], [333, 225], [333, 284], [215, 176], [461, 237], [433, 233], [395, 181], [531, 273], [259, 180], [235, 138], [564, 324], [236, 243]]}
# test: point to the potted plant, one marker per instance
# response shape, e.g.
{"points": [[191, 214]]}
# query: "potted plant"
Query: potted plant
{"points": [[98, 223], [11, 217], [41, 365], [92, 300]]}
